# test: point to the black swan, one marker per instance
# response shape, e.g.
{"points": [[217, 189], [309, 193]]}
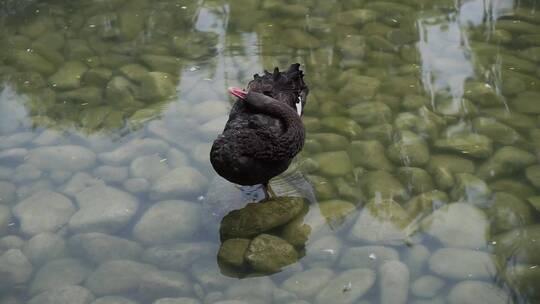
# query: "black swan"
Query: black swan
{"points": [[264, 131]]}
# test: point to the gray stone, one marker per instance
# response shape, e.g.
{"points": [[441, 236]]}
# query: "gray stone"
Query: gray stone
{"points": [[427, 286], [5, 218], [117, 276], [159, 284], [113, 300], [99, 247], [15, 268], [64, 295], [47, 138], [458, 225], [472, 292], [149, 167], [384, 185], [308, 283], [68, 158], [15, 140], [335, 163], [45, 211], [7, 192], [110, 173], [470, 189], [182, 300], [103, 209], [232, 252], [59, 273], [45, 247], [15, 155], [409, 150], [254, 290], [79, 182], [133, 149], [371, 257], [394, 282], [267, 253], [178, 256], [136, 185], [26, 172], [347, 287], [182, 181], [370, 155], [208, 274], [11, 242], [167, 221], [177, 158], [323, 252], [462, 264], [474, 145]]}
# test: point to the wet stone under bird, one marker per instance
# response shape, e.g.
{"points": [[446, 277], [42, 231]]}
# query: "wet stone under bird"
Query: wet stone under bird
{"points": [[413, 176]]}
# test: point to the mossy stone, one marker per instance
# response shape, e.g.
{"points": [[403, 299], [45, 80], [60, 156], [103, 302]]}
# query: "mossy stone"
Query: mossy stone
{"points": [[535, 202], [134, 72], [157, 86], [370, 113], [78, 49], [413, 102], [161, 63], [381, 133], [342, 125], [30, 61], [268, 254], [505, 161], [356, 17], [336, 211], [508, 212], [88, 94], [409, 150], [68, 75], [131, 23], [519, 245], [312, 124], [120, 91], [349, 191], [232, 252], [525, 280], [483, 94], [324, 189], [474, 145], [97, 76], [533, 175], [297, 231], [335, 163], [330, 141], [383, 184], [527, 102], [92, 118], [416, 180], [425, 203], [512, 186], [496, 131], [369, 154], [299, 39], [256, 218], [511, 118], [470, 189], [358, 88], [380, 44]]}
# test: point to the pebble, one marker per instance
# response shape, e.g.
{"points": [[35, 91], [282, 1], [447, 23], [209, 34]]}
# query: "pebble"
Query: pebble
{"points": [[59, 273], [133, 149], [167, 221], [136, 185], [181, 300], [68, 158], [5, 219], [45, 247], [308, 283], [158, 284], [427, 286], [64, 295], [11, 242], [15, 155], [79, 182], [472, 292], [149, 167], [99, 247], [394, 282], [323, 252], [462, 264], [117, 277], [103, 209], [371, 257], [45, 211], [348, 287], [111, 174], [15, 268], [26, 172], [113, 300], [179, 182], [7, 192], [178, 256]]}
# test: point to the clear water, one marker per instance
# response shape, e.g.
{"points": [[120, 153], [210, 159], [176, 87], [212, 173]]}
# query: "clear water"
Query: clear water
{"points": [[420, 165]]}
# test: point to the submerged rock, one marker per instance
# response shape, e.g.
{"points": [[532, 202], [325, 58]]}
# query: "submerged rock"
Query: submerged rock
{"points": [[15, 268], [471, 189], [506, 160], [159, 284], [68, 76], [394, 282], [369, 154], [118, 276], [68, 158], [382, 184], [409, 150], [371, 257], [232, 252], [100, 247], [519, 245], [462, 264], [473, 145], [471, 292], [59, 273], [508, 211], [347, 287], [308, 283], [64, 295], [260, 217], [427, 286], [45, 247], [268, 254], [182, 181]]}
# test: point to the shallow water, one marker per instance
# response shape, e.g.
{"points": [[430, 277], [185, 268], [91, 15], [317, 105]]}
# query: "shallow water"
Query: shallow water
{"points": [[420, 169]]}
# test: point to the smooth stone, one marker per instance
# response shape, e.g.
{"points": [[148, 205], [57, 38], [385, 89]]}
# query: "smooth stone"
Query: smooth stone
{"points": [[64, 295], [177, 158], [99, 247], [34, 187], [133, 149], [232, 252], [381, 222], [68, 158], [134, 72], [99, 76], [323, 252], [427, 286], [336, 212], [382, 184], [519, 245], [533, 175], [136, 185], [409, 150], [14, 155], [267, 253], [462, 264], [355, 282], [157, 86], [117, 276], [255, 290], [523, 279], [473, 145], [482, 94], [370, 113], [505, 161], [507, 212], [113, 300], [26, 172], [470, 189], [59, 273], [31, 61], [496, 131], [68, 76], [416, 180], [308, 283], [15, 140], [178, 256], [159, 284], [458, 225], [121, 90], [79, 182], [15, 268], [330, 141], [256, 218], [356, 17], [426, 203], [150, 167], [168, 221], [111, 173], [45, 247], [11, 242], [103, 209], [332, 164], [471, 292], [7, 192], [162, 63], [371, 257], [209, 109], [183, 300], [343, 125], [5, 219], [527, 102], [208, 275], [45, 211], [369, 154], [394, 282], [182, 181]]}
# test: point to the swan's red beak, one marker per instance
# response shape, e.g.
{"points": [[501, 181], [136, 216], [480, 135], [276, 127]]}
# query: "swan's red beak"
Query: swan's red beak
{"points": [[237, 92]]}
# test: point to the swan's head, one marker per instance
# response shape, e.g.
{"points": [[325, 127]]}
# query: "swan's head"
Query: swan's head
{"points": [[287, 87]]}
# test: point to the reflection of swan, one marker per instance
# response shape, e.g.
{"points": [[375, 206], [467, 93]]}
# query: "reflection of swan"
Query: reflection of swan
{"points": [[264, 131]]}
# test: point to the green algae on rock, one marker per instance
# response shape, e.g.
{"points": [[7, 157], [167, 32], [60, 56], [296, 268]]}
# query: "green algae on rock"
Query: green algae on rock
{"points": [[268, 253]]}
